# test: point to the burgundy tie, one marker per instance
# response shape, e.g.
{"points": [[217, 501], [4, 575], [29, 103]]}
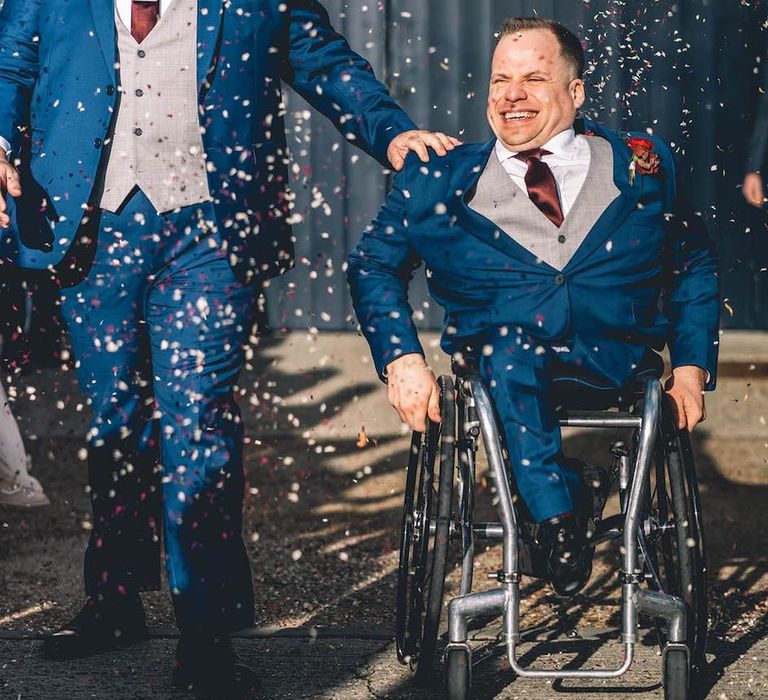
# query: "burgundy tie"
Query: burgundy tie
{"points": [[143, 18], [542, 188]]}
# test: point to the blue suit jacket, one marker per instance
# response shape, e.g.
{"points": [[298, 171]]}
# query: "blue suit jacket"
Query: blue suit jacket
{"points": [[58, 96], [645, 274]]}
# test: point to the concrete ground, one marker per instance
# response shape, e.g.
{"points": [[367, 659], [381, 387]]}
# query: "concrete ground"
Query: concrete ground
{"points": [[325, 464]]}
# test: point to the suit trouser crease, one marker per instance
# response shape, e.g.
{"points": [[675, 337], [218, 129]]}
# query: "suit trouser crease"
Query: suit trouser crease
{"points": [[158, 326]]}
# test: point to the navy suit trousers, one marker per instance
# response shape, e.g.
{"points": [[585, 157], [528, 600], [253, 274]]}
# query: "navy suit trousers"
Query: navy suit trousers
{"points": [[158, 328], [518, 371]]}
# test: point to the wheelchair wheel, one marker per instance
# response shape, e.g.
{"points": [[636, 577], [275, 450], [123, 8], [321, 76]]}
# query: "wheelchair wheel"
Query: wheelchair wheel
{"points": [[424, 538], [676, 674], [673, 543], [458, 674]]}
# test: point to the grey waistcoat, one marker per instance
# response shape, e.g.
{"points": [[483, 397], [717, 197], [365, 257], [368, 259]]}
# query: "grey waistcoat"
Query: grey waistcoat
{"points": [[501, 201], [156, 142]]}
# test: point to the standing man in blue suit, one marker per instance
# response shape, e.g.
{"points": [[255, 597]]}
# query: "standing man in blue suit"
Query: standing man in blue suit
{"points": [[149, 136], [556, 243]]}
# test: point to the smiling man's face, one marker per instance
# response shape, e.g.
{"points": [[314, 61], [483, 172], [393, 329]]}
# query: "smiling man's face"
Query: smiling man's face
{"points": [[534, 92]]}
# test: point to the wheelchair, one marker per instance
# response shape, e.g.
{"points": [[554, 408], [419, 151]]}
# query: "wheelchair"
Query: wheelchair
{"points": [[662, 571]]}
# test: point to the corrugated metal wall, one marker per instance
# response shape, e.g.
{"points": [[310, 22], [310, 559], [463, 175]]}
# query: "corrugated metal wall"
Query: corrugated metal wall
{"points": [[338, 190], [685, 69]]}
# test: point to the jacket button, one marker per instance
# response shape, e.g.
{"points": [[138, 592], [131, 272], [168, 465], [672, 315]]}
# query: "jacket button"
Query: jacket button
{"points": [[97, 143], [110, 89], [561, 238], [141, 53], [559, 279], [138, 131], [138, 92]]}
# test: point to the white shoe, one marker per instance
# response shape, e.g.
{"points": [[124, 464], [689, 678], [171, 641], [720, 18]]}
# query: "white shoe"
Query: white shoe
{"points": [[22, 492]]}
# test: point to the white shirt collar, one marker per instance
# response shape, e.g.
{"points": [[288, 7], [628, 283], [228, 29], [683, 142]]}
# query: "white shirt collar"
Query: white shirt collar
{"points": [[562, 145], [123, 8]]}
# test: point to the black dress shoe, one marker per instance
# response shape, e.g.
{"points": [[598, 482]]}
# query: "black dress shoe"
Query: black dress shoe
{"points": [[210, 668], [100, 626], [569, 557]]}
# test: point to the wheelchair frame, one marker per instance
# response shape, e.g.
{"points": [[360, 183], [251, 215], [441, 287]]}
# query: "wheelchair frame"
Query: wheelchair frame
{"points": [[475, 418]]}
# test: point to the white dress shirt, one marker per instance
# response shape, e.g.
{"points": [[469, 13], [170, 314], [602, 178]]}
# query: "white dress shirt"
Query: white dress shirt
{"points": [[123, 11], [123, 8], [568, 160]]}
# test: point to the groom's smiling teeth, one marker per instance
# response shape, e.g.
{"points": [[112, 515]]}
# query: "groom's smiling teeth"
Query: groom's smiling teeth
{"points": [[513, 116]]}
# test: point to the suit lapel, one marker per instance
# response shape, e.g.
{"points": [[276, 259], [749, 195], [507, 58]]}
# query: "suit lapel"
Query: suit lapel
{"points": [[621, 207], [104, 21], [477, 224], [210, 14]]}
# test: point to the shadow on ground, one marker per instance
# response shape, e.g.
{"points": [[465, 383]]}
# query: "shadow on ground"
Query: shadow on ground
{"points": [[321, 524]]}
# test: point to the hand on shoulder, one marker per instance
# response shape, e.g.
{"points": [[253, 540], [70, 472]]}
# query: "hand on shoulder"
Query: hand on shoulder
{"points": [[419, 141]]}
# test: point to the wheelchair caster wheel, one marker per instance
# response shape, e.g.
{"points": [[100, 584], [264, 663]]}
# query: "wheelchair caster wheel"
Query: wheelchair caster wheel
{"points": [[458, 673], [676, 673]]}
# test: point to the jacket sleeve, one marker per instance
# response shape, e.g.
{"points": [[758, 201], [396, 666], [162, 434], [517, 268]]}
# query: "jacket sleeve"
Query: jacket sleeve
{"points": [[324, 70], [758, 142], [378, 271], [19, 20], [692, 298]]}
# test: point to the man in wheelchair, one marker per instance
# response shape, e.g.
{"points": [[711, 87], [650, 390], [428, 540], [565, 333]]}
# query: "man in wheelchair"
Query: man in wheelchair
{"points": [[558, 246]]}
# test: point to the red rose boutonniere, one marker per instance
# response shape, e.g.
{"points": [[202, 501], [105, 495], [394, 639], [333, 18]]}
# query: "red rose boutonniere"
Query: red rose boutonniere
{"points": [[644, 160]]}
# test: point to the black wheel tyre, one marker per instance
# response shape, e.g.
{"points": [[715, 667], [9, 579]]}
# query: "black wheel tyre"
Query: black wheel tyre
{"points": [[424, 549], [673, 546], [691, 537], [458, 674], [676, 674], [404, 643]]}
